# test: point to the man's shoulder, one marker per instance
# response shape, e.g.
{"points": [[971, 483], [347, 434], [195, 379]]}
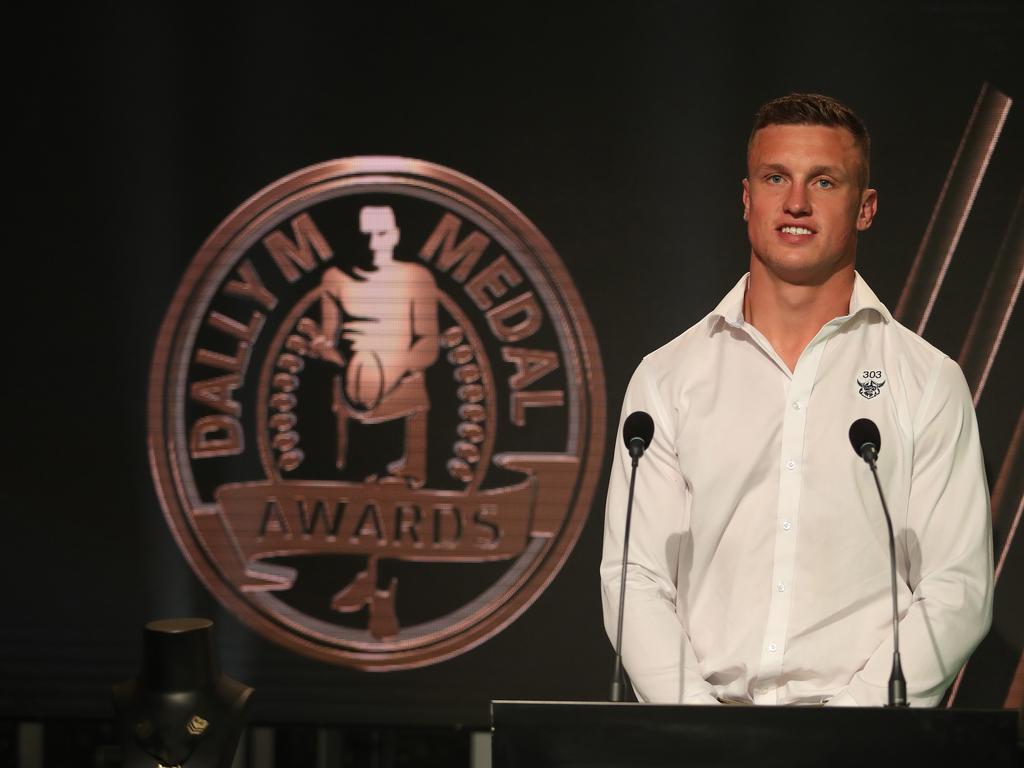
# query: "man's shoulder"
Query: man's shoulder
{"points": [[929, 377], [914, 344], [410, 270], [690, 342], [915, 353]]}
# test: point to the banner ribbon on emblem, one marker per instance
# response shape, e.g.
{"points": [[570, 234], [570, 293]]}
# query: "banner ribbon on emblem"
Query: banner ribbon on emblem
{"points": [[256, 521]]}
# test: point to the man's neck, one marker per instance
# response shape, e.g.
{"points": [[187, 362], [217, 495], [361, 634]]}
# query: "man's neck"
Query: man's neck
{"points": [[789, 315]]}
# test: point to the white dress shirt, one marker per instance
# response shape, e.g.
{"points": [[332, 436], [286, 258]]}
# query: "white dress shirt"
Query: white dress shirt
{"points": [[758, 556]]}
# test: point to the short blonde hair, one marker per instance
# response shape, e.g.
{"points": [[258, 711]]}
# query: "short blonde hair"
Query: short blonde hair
{"points": [[815, 109]]}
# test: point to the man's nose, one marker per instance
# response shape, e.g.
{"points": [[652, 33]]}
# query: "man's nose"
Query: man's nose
{"points": [[797, 203]]}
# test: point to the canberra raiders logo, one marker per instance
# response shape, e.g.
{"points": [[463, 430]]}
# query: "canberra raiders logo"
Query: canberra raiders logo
{"points": [[870, 384], [376, 413]]}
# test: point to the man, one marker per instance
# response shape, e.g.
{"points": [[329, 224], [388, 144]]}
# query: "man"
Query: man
{"points": [[758, 566], [389, 316]]}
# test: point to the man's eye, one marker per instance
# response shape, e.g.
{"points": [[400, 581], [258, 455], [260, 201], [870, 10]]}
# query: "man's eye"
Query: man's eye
{"points": [[775, 178], [824, 183]]}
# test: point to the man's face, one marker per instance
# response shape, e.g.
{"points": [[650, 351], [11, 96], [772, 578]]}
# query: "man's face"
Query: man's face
{"points": [[383, 240], [379, 224], [803, 201]]}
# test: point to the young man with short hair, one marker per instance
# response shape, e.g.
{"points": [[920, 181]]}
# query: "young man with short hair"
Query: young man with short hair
{"points": [[758, 561]]}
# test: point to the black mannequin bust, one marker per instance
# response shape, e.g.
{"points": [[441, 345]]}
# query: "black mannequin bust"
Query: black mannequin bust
{"points": [[180, 710]]}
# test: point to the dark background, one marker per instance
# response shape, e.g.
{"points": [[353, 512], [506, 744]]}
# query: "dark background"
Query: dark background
{"points": [[619, 130]]}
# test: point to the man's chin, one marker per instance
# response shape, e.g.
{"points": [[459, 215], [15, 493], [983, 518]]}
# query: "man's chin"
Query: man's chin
{"points": [[803, 271]]}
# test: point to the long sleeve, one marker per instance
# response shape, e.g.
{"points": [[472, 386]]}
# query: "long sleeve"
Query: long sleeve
{"points": [[948, 536], [657, 653]]}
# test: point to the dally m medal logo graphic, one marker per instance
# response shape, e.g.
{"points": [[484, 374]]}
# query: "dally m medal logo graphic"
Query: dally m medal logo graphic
{"points": [[376, 413], [872, 384]]}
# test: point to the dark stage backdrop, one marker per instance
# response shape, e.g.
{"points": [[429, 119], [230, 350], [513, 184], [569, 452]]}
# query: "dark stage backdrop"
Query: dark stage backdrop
{"points": [[617, 131]]}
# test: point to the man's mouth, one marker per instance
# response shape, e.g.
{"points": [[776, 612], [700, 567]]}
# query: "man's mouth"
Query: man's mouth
{"points": [[795, 230]]}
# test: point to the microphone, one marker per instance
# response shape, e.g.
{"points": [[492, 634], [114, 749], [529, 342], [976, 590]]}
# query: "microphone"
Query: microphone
{"points": [[637, 434], [865, 439], [866, 442]]}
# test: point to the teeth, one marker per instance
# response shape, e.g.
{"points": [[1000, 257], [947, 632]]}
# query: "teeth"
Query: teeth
{"points": [[796, 231]]}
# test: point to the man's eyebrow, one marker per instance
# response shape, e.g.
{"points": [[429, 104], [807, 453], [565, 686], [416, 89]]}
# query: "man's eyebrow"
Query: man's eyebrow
{"points": [[828, 170], [776, 167], [818, 170]]}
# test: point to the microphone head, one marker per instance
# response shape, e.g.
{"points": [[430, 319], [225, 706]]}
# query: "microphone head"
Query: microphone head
{"points": [[864, 432], [639, 425]]}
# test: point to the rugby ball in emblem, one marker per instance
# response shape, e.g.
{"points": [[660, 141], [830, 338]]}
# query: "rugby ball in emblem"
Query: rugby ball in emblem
{"points": [[364, 380]]}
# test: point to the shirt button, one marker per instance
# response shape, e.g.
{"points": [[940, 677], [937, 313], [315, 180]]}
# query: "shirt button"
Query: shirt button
{"points": [[786, 525], [796, 406], [790, 465], [781, 587], [772, 647]]}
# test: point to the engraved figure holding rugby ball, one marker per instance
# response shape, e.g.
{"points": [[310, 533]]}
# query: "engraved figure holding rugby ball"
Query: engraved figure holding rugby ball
{"points": [[389, 316]]}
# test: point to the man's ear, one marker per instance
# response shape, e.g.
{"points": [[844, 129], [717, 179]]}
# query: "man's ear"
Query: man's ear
{"points": [[868, 209], [746, 199]]}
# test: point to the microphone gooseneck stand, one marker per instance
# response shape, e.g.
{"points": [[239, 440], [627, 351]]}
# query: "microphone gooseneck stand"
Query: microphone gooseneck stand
{"points": [[867, 441], [637, 433], [616, 690]]}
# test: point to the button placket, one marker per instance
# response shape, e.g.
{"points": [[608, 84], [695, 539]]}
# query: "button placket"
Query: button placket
{"points": [[790, 483]]}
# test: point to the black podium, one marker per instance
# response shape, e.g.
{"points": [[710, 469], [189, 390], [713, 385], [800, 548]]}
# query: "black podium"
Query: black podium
{"points": [[535, 734]]}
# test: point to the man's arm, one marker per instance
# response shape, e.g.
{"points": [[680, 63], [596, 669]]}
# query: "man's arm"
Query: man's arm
{"points": [[949, 544], [324, 344], [656, 650], [424, 348]]}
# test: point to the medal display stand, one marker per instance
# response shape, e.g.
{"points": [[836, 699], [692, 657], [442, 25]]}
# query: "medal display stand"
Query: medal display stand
{"points": [[180, 710], [534, 734]]}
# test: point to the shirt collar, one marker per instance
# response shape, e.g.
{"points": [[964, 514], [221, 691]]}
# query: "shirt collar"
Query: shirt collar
{"points": [[730, 308], [864, 298]]}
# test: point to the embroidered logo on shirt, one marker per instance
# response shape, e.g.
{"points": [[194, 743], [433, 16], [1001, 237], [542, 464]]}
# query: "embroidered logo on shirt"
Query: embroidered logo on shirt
{"points": [[872, 384]]}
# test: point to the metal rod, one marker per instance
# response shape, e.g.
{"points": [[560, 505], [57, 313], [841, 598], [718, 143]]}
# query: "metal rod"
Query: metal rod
{"points": [[996, 306], [952, 208]]}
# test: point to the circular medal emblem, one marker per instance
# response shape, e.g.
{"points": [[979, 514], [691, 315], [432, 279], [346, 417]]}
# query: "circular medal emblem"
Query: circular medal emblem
{"points": [[376, 413]]}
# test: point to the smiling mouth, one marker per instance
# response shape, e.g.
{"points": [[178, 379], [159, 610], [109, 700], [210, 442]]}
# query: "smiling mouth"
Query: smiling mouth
{"points": [[795, 231]]}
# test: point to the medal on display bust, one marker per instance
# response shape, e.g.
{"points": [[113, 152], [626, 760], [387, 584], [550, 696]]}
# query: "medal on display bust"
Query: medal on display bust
{"points": [[180, 710]]}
